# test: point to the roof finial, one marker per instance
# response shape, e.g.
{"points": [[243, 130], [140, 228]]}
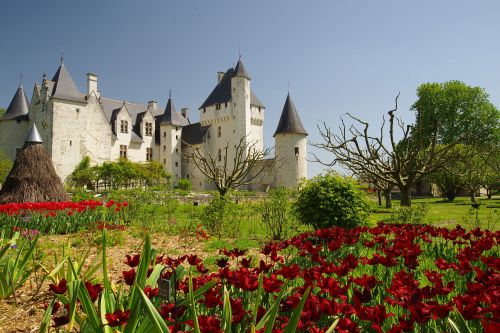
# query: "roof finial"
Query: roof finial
{"points": [[20, 79], [169, 93], [239, 53], [62, 56]]}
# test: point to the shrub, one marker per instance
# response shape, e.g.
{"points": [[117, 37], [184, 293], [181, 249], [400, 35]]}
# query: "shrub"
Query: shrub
{"points": [[184, 184], [331, 200], [410, 215], [222, 217], [276, 213]]}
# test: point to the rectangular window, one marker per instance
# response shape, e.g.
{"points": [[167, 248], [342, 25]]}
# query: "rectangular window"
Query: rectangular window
{"points": [[124, 126], [219, 131], [176, 164], [225, 105], [176, 137], [217, 106], [176, 150], [149, 129], [204, 110], [123, 151], [149, 154], [164, 134], [164, 148], [296, 151], [220, 155]]}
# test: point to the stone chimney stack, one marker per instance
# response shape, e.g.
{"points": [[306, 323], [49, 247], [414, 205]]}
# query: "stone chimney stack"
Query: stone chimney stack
{"points": [[184, 112], [152, 105], [92, 84], [220, 75]]}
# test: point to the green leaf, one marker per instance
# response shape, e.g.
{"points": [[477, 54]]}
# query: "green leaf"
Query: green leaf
{"points": [[73, 296], [155, 318], [193, 305], [459, 325], [227, 315], [47, 317], [332, 328], [270, 316], [198, 292], [294, 320], [88, 308]]}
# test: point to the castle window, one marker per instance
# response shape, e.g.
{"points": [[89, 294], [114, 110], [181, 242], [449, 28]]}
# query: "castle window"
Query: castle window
{"points": [[187, 176], [18, 121], [164, 161], [296, 151], [70, 143], [176, 128], [219, 131], [176, 164], [259, 109], [164, 148], [225, 105], [124, 126], [164, 134], [149, 129], [77, 110], [220, 155], [204, 110], [176, 150], [123, 151], [149, 154], [176, 137], [209, 134], [217, 106]]}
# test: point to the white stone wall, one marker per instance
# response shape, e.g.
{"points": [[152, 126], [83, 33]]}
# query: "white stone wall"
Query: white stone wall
{"points": [[170, 151], [191, 172], [12, 136], [290, 169]]}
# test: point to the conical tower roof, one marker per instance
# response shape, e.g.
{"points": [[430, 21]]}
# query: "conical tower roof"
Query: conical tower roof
{"points": [[240, 70], [64, 86], [18, 107], [289, 120], [33, 136]]}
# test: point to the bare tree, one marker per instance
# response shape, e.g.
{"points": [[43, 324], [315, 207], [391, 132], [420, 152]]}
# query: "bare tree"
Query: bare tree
{"points": [[402, 162], [383, 187], [233, 167]]}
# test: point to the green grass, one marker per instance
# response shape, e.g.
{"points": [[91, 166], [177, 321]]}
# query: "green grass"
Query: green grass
{"points": [[449, 214]]}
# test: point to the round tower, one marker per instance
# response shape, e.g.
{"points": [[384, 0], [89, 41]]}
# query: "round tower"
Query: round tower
{"points": [[291, 147]]}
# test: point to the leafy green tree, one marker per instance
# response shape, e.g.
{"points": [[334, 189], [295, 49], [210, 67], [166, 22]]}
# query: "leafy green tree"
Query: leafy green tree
{"points": [[2, 112], [5, 166], [455, 112], [83, 175], [331, 200]]}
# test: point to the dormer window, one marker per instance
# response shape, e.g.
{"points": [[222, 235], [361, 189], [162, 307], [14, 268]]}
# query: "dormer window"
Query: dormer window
{"points": [[217, 106], [149, 129], [124, 126]]}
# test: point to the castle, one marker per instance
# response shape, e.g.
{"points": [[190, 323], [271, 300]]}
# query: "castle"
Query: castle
{"points": [[74, 125]]}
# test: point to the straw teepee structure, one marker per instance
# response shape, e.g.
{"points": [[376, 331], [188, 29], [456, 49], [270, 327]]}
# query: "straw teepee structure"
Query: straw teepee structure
{"points": [[32, 178]]}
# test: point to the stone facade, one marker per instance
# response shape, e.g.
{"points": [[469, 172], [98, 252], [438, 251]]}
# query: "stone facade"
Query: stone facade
{"points": [[74, 125]]}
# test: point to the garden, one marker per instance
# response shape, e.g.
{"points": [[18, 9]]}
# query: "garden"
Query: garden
{"points": [[321, 259]]}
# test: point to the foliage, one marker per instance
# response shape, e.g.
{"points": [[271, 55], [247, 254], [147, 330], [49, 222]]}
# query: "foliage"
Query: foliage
{"points": [[184, 184], [220, 216], [409, 215], [331, 200], [14, 269], [447, 183], [276, 212], [5, 166], [453, 110], [121, 173]]}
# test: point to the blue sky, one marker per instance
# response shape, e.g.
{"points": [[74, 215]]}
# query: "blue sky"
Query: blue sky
{"points": [[339, 56]]}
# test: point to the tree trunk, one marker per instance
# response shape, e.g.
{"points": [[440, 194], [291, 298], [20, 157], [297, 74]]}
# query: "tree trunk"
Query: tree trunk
{"points": [[472, 196], [388, 199], [379, 196], [405, 196]]}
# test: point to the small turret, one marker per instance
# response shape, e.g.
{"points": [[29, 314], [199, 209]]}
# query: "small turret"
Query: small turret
{"points": [[18, 107], [291, 147]]}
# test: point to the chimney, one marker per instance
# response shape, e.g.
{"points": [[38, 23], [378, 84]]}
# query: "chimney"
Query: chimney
{"points": [[152, 105], [220, 75], [184, 112], [92, 84]]}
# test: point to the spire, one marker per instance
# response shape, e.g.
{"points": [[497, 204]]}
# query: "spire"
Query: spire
{"points": [[64, 86], [18, 107], [33, 136], [240, 71], [289, 120]]}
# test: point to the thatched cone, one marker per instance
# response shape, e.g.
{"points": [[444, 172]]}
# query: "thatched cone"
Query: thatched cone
{"points": [[32, 178]]}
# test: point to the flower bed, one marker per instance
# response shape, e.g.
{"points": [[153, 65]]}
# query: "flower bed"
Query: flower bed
{"points": [[58, 217], [391, 278]]}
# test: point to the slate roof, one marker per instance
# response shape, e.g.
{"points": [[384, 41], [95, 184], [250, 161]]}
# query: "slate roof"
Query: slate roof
{"points": [[18, 107], [65, 87], [240, 70], [194, 134], [222, 91], [290, 120], [34, 136], [170, 117]]}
